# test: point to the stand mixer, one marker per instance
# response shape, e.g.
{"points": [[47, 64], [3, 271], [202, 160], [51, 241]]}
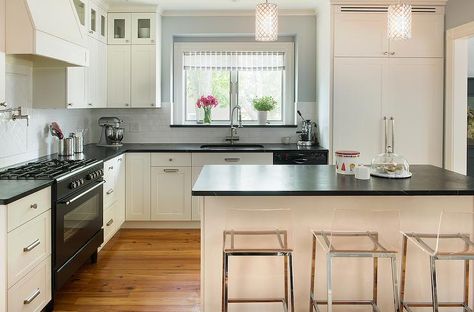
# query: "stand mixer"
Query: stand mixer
{"points": [[112, 132]]}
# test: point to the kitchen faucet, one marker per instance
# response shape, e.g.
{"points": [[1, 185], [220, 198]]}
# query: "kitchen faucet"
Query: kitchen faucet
{"points": [[233, 129]]}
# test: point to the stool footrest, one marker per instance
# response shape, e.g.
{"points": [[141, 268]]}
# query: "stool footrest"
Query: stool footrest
{"points": [[257, 300], [347, 302], [440, 304]]}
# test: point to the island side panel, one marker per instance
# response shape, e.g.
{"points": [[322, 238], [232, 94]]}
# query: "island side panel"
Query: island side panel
{"points": [[352, 277]]}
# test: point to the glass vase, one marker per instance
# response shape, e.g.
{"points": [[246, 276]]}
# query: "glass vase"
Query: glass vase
{"points": [[207, 115]]}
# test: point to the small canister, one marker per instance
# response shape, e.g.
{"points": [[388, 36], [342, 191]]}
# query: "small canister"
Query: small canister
{"points": [[78, 144], [66, 147], [347, 162]]}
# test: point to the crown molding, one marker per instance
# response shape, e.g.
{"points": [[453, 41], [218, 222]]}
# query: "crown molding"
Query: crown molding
{"points": [[234, 12], [386, 2]]}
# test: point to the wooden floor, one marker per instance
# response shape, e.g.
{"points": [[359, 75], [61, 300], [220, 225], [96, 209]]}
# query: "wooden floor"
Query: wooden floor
{"points": [[139, 270]]}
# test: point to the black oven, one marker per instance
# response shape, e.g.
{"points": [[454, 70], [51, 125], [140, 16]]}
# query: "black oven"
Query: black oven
{"points": [[77, 230]]}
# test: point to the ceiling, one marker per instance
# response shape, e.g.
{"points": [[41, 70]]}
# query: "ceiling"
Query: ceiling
{"points": [[218, 4]]}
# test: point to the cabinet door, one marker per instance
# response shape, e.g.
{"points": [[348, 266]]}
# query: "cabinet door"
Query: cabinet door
{"points": [[81, 11], [143, 76], [76, 87], [118, 76], [197, 201], [427, 38], [358, 106], [171, 193], [137, 187], [93, 17], [2, 52], [143, 28], [102, 26], [92, 72], [119, 28], [101, 75], [413, 95], [360, 34]]}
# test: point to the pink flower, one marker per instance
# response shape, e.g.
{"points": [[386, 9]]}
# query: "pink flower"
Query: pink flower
{"points": [[207, 101]]}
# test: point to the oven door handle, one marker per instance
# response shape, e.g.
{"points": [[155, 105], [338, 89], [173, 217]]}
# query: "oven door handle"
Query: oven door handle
{"points": [[83, 194]]}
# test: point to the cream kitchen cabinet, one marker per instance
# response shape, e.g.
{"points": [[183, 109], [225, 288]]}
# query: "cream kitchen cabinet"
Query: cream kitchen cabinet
{"points": [[2, 52], [97, 26], [197, 201], [96, 74], [82, 11], [362, 32], [138, 171], [408, 89], [25, 240], [118, 76], [143, 76], [119, 28], [171, 193], [144, 28]]}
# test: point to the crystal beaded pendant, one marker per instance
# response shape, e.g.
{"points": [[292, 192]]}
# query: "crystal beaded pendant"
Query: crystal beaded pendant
{"points": [[399, 21], [266, 22]]}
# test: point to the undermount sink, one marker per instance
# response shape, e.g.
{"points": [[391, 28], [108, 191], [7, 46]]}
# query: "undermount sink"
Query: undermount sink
{"points": [[231, 146]]}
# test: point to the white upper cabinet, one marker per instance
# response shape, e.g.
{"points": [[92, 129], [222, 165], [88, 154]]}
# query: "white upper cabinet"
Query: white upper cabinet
{"points": [[2, 51], [102, 26], [362, 32], [93, 20], [143, 73], [119, 28], [118, 76], [81, 11], [143, 28]]}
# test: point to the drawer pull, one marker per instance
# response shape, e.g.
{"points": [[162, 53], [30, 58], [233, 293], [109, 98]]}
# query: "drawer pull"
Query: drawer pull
{"points": [[110, 191], [110, 222], [32, 246], [32, 297], [111, 167], [236, 159], [120, 159], [170, 170], [34, 206], [171, 159]]}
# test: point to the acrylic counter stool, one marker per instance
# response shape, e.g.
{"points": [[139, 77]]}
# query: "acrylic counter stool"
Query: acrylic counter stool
{"points": [[449, 240], [357, 234], [258, 233]]}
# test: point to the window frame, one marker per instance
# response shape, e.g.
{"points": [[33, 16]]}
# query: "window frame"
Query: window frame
{"points": [[289, 82]]}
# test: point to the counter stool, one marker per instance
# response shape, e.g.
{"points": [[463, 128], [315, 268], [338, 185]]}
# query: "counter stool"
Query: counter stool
{"points": [[277, 245], [452, 241], [371, 248]]}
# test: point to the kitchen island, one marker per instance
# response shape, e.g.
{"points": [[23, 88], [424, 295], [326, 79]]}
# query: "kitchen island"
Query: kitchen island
{"points": [[312, 193]]}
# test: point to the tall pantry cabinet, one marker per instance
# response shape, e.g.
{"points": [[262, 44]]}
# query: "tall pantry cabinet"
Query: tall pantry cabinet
{"points": [[376, 77]]}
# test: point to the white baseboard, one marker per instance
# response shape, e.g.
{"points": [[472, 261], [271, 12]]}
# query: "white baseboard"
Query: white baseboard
{"points": [[161, 225]]}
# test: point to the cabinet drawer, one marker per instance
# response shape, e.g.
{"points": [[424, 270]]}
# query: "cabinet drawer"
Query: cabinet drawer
{"points": [[32, 292], [109, 170], [202, 159], [109, 193], [25, 209], [28, 245], [110, 223], [171, 159]]}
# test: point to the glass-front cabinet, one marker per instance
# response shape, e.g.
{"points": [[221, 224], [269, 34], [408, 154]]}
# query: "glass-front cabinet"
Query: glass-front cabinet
{"points": [[102, 26], [119, 28], [143, 28], [81, 10]]}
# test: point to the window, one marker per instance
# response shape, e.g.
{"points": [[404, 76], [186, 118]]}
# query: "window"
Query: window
{"points": [[235, 73]]}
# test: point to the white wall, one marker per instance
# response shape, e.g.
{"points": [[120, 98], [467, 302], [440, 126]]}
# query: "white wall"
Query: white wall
{"points": [[459, 12], [21, 143]]}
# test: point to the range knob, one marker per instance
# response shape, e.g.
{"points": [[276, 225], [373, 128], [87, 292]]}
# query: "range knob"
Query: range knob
{"points": [[89, 176], [73, 184]]}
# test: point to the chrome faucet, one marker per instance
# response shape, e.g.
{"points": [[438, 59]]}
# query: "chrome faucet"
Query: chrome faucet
{"points": [[233, 129]]}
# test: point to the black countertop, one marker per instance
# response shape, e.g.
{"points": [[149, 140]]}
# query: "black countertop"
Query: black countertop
{"points": [[106, 153], [293, 180], [12, 190]]}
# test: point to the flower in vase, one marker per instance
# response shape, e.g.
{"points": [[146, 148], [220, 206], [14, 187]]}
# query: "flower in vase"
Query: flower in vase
{"points": [[207, 103]]}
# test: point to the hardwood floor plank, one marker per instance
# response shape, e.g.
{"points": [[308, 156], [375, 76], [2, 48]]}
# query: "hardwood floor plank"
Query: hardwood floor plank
{"points": [[139, 270]]}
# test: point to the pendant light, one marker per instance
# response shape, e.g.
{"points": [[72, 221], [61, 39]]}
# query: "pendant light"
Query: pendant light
{"points": [[399, 21], [266, 22]]}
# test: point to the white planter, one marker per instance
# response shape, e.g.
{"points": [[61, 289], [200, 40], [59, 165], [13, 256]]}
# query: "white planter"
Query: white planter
{"points": [[262, 118]]}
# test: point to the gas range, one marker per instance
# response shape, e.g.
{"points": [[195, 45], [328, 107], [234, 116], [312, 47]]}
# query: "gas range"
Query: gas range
{"points": [[45, 170]]}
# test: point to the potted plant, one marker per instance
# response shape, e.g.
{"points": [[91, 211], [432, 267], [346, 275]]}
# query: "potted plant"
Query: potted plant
{"points": [[263, 105], [207, 103]]}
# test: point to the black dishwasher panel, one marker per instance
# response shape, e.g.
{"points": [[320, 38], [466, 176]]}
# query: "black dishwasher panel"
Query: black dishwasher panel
{"points": [[301, 157]]}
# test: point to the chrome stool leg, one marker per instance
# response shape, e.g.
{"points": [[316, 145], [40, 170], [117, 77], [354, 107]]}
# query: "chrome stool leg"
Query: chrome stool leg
{"points": [[329, 282], [434, 286], [292, 293], [225, 283]]}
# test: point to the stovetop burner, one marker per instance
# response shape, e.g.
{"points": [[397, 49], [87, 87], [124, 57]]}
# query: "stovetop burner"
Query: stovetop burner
{"points": [[43, 170]]}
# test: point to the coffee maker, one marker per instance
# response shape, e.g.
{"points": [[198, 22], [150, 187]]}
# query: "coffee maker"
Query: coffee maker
{"points": [[112, 132], [307, 133]]}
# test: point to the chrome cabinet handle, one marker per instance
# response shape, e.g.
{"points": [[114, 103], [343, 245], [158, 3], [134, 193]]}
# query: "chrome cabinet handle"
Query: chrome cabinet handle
{"points": [[236, 159], [110, 191], [170, 170], [32, 297], [171, 159], [392, 53], [385, 53], [111, 167], [120, 159], [90, 104], [111, 221], [126, 104], [32, 246], [69, 104], [34, 206]]}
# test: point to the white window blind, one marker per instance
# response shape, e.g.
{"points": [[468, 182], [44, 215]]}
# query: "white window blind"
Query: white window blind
{"points": [[230, 61]]}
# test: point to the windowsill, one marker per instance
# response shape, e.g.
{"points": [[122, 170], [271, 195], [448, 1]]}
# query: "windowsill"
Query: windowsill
{"points": [[227, 126]]}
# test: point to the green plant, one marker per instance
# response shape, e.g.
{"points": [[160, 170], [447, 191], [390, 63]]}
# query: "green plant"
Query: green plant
{"points": [[264, 103]]}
